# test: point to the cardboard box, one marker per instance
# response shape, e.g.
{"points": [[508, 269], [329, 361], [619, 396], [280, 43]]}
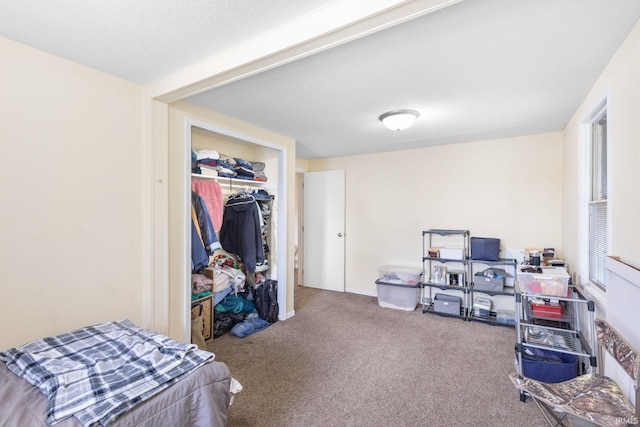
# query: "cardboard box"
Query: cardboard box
{"points": [[491, 279], [451, 253], [447, 304], [203, 307]]}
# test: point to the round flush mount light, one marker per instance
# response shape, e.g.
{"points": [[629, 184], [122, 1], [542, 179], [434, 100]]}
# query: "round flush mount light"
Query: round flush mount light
{"points": [[399, 119]]}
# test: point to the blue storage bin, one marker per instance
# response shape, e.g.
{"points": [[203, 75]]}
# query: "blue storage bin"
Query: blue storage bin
{"points": [[549, 366], [485, 248]]}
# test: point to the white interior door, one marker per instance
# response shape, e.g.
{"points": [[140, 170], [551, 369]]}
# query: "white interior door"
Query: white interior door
{"points": [[324, 241]]}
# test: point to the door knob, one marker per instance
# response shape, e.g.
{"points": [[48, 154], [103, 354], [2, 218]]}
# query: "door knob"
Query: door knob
{"points": [[339, 234]]}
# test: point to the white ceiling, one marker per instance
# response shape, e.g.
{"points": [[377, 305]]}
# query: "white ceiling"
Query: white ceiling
{"points": [[475, 70], [142, 40]]}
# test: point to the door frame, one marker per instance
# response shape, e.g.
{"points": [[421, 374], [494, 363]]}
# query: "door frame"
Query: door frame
{"points": [[281, 233], [298, 256]]}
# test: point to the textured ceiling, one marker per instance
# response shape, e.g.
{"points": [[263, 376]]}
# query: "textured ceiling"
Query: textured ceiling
{"points": [[475, 70], [142, 40]]}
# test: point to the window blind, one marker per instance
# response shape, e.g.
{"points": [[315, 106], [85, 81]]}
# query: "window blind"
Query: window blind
{"points": [[597, 241]]}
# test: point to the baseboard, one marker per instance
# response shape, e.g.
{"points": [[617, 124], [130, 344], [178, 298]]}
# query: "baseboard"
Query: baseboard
{"points": [[290, 314], [361, 292]]}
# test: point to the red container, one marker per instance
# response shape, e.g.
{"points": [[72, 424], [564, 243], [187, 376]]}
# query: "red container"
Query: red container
{"points": [[551, 311]]}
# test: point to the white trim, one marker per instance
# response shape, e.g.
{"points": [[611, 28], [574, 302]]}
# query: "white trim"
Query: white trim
{"points": [[361, 292], [584, 150], [584, 179], [595, 293], [230, 133], [325, 27], [184, 266], [147, 184], [155, 301], [627, 272], [235, 182]]}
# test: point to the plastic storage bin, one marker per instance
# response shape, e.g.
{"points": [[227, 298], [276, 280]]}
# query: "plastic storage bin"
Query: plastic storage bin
{"points": [[398, 296], [399, 275], [553, 281]]}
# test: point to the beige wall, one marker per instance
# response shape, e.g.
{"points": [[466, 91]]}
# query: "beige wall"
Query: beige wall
{"points": [[620, 84], [178, 177], [71, 215], [507, 188], [73, 192]]}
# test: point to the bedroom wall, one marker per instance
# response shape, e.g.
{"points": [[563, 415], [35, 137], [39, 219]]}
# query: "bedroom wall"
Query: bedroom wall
{"points": [[70, 167], [621, 87], [620, 84], [507, 188]]}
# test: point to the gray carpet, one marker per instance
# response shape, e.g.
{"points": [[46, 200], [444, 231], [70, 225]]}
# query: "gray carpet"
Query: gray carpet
{"points": [[344, 361]]}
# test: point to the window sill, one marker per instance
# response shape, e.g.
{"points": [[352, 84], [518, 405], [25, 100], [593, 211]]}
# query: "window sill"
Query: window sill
{"points": [[596, 294]]}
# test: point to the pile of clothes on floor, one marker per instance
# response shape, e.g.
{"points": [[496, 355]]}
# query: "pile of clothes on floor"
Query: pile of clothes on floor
{"points": [[212, 163], [239, 309]]}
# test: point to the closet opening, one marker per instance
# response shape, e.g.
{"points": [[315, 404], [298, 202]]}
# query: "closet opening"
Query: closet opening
{"points": [[272, 158]]}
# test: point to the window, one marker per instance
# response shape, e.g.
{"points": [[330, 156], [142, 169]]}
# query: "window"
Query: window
{"points": [[598, 198]]}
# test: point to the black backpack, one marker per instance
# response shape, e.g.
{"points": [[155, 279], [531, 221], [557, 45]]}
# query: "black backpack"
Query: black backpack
{"points": [[224, 321], [266, 300]]}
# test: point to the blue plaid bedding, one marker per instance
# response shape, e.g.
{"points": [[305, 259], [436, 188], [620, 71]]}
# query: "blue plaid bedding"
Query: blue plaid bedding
{"points": [[98, 372]]}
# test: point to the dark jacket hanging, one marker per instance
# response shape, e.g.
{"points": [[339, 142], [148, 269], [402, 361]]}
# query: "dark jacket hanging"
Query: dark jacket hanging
{"points": [[240, 231]]}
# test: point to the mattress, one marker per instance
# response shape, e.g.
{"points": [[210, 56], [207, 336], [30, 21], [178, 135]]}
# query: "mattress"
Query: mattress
{"points": [[199, 399]]}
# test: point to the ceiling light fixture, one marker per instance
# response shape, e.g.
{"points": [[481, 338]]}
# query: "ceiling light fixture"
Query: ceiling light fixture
{"points": [[399, 119]]}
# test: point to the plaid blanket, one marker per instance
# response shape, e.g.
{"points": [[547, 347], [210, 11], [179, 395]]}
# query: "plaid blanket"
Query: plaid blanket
{"points": [[98, 372]]}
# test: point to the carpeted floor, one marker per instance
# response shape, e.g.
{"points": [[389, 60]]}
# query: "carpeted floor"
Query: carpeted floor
{"points": [[344, 361]]}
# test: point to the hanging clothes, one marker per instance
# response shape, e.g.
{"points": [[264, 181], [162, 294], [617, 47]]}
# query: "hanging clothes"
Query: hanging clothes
{"points": [[211, 193], [240, 232], [209, 238], [199, 257]]}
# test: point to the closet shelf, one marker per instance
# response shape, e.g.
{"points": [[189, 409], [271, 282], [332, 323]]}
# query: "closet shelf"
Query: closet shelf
{"points": [[235, 182]]}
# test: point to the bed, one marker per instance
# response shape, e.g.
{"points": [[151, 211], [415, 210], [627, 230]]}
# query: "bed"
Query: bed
{"points": [[113, 374]]}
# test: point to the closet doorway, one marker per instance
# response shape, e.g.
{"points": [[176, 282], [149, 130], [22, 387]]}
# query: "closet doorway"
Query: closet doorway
{"points": [[203, 135]]}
